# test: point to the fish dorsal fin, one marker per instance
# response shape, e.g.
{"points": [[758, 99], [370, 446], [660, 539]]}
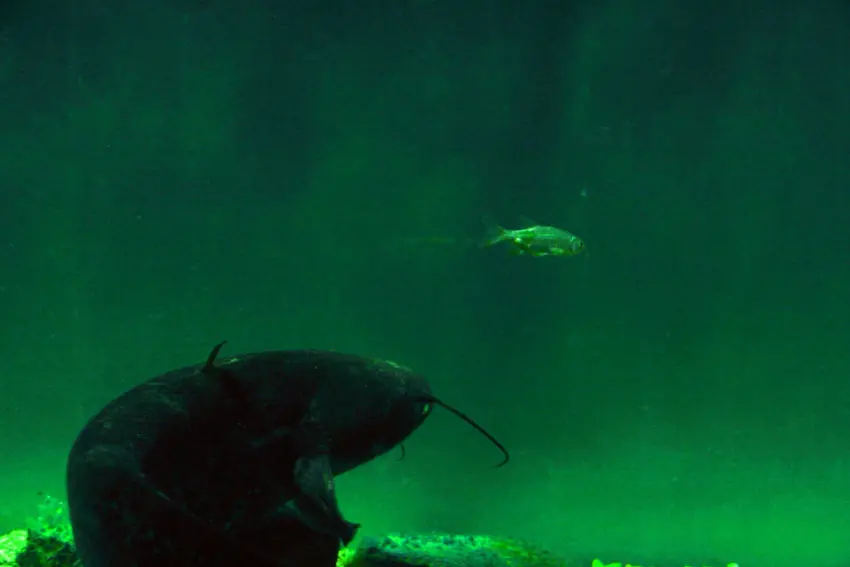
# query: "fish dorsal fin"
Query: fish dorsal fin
{"points": [[229, 381], [209, 365], [526, 222]]}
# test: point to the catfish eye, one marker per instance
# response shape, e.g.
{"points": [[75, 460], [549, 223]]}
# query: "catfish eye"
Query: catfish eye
{"points": [[423, 407]]}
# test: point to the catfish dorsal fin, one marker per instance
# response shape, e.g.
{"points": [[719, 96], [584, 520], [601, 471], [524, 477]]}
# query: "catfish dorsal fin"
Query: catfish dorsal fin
{"points": [[209, 366]]}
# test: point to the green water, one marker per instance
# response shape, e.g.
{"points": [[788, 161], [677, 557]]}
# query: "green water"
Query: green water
{"points": [[314, 174]]}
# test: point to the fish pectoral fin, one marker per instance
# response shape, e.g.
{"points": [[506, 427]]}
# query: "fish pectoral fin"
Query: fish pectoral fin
{"points": [[314, 477], [520, 246], [317, 505], [304, 510], [348, 532]]}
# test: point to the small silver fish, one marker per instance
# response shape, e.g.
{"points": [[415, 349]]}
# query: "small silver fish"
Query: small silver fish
{"points": [[533, 239]]}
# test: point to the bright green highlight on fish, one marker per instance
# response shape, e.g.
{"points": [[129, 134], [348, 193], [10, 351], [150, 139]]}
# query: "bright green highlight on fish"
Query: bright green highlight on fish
{"points": [[533, 239]]}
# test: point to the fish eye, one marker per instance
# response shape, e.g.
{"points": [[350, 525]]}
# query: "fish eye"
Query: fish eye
{"points": [[423, 408]]}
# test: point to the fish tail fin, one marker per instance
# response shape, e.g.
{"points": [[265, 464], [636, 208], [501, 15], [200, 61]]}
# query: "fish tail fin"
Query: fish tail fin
{"points": [[493, 233]]}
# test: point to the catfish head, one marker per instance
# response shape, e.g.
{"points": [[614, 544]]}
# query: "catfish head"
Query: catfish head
{"points": [[377, 408]]}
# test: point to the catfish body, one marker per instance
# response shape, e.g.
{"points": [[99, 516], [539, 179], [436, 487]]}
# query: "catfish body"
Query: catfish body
{"points": [[234, 463]]}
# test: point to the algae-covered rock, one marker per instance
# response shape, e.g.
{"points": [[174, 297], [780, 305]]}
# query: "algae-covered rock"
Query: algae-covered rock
{"points": [[452, 550], [11, 544], [449, 550], [49, 543], [27, 548]]}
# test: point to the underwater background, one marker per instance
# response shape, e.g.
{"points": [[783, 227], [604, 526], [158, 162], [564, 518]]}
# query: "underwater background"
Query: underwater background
{"points": [[314, 174]]}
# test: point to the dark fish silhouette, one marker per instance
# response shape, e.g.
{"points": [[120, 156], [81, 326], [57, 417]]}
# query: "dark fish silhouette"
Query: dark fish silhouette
{"points": [[234, 464]]}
